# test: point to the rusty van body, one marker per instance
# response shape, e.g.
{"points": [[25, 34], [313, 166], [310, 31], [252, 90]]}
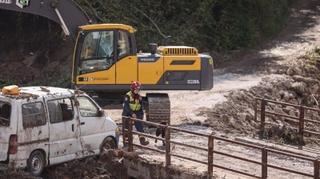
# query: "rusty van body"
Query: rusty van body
{"points": [[42, 126]]}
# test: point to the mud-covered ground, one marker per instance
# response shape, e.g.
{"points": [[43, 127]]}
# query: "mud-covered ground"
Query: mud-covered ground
{"points": [[106, 166], [225, 161], [285, 69], [279, 70]]}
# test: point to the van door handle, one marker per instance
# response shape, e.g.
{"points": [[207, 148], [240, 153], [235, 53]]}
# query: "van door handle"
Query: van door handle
{"points": [[82, 123], [72, 127]]}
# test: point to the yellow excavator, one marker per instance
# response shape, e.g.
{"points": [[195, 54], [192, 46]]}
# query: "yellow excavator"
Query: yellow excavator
{"points": [[106, 60]]}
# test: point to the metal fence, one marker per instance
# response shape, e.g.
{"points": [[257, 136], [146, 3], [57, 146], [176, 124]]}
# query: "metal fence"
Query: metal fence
{"points": [[210, 149], [299, 121]]}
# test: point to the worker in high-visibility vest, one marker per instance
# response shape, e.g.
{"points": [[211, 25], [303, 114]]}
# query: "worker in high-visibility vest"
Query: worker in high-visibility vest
{"points": [[132, 108]]}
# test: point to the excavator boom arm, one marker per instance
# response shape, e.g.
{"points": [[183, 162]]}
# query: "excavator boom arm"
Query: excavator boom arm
{"points": [[67, 13]]}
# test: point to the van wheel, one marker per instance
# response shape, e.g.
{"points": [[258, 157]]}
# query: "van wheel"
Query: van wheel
{"points": [[108, 144], [36, 163]]}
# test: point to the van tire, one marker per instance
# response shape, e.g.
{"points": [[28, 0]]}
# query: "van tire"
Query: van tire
{"points": [[108, 144], [36, 163]]}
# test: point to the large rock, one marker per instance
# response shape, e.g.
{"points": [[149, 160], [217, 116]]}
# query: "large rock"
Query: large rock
{"points": [[300, 78], [245, 117], [294, 70], [299, 87], [286, 96]]}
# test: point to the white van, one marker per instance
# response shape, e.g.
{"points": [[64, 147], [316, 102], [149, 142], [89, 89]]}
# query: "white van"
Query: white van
{"points": [[42, 126]]}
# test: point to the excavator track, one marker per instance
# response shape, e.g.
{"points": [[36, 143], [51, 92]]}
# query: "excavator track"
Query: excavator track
{"points": [[158, 107]]}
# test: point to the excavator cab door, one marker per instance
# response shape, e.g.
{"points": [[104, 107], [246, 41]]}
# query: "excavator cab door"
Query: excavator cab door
{"points": [[127, 65]]}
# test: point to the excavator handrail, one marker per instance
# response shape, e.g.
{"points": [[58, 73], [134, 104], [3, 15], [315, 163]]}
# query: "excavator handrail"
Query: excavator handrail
{"points": [[67, 13]]}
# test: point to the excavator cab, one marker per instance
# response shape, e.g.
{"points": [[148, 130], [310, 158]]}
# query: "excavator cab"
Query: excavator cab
{"points": [[105, 54]]}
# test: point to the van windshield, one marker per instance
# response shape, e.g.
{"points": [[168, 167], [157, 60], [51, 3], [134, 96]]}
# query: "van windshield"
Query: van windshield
{"points": [[5, 113]]}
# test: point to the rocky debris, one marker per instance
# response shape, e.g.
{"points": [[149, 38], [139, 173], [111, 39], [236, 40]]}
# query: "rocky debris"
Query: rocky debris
{"points": [[106, 166], [300, 84], [13, 174], [283, 134]]}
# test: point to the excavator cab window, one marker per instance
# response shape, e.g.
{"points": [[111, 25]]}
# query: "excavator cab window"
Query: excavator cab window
{"points": [[97, 52], [123, 44]]}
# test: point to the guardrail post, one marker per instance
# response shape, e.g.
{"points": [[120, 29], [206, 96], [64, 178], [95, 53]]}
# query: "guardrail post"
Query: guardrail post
{"points": [[124, 133], [210, 156], [130, 136], [263, 118], [168, 147], [256, 109], [316, 169], [301, 126], [264, 166]]}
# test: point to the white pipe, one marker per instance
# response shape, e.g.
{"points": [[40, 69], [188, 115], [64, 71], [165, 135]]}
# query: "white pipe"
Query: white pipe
{"points": [[63, 24]]}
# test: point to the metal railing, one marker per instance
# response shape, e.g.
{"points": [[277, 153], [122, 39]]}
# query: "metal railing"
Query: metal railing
{"points": [[210, 150], [298, 121]]}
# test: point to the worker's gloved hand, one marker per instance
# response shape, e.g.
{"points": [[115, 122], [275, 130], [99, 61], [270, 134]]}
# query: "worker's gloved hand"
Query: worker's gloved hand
{"points": [[135, 117]]}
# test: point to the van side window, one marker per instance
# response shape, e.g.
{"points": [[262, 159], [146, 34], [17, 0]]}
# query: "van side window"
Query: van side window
{"points": [[33, 115], [5, 113], [60, 110], [87, 108]]}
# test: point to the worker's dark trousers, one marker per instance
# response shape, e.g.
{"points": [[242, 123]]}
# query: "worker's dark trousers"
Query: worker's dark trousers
{"points": [[137, 124]]}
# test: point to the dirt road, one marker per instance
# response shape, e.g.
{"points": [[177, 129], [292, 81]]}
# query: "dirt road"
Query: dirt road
{"points": [[246, 70], [229, 148]]}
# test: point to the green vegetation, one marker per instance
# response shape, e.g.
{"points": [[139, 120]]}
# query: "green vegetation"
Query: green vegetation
{"points": [[314, 55], [209, 25], [219, 25]]}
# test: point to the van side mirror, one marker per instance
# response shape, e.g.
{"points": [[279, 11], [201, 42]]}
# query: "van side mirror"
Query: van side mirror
{"points": [[100, 113]]}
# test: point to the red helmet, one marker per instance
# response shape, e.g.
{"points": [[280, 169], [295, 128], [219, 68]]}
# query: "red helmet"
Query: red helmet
{"points": [[135, 85]]}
